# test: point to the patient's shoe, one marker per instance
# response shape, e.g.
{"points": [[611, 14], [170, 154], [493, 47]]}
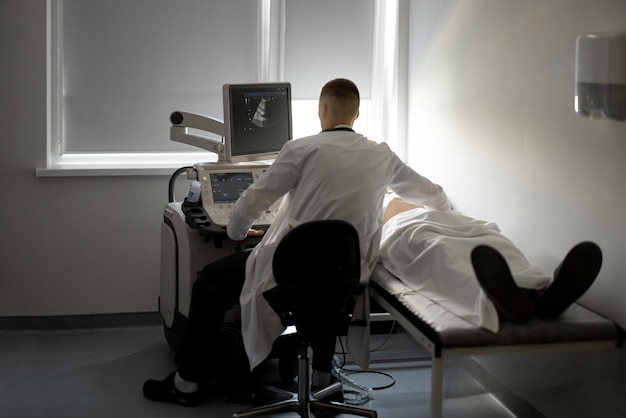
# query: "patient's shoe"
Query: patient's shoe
{"points": [[496, 280], [572, 278], [164, 391]]}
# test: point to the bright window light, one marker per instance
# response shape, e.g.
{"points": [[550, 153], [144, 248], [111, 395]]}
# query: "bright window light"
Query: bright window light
{"points": [[143, 142]]}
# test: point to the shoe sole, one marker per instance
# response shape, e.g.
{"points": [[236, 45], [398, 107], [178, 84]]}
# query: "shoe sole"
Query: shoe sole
{"points": [[496, 280], [572, 279]]}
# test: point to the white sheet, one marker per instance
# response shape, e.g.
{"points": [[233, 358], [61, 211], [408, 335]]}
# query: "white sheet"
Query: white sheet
{"points": [[429, 251]]}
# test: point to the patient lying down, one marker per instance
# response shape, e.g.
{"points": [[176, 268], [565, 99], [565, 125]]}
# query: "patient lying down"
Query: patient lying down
{"points": [[471, 269]]}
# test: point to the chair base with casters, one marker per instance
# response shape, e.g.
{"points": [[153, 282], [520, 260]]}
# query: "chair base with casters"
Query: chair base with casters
{"points": [[305, 402]]}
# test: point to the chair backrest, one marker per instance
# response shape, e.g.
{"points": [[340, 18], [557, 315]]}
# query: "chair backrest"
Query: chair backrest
{"points": [[317, 267], [320, 254]]}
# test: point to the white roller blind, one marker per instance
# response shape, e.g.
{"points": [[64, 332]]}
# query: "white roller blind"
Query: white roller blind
{"points": [[126, 65], [326, 39]]}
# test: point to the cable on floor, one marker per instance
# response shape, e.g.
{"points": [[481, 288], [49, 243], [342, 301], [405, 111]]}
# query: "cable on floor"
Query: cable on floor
{"points": [[355, 393]]}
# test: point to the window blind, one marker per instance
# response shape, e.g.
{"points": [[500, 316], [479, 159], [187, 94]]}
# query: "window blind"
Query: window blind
{"points": [[128, 64], [326, 39]]}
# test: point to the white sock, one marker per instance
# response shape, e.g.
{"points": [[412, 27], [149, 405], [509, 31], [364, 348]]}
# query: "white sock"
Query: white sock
{"points": [[320, 379], [183, 385]]}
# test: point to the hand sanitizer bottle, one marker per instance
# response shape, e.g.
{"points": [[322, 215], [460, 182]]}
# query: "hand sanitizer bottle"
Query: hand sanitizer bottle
{"points": [[194, 192]]}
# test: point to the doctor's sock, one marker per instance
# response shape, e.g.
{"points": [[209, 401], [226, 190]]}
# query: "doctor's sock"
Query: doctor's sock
{"points": [[183, 385]]}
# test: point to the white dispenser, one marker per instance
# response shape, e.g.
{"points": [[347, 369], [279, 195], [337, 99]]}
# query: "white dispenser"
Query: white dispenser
{"points": [[601, 75]]}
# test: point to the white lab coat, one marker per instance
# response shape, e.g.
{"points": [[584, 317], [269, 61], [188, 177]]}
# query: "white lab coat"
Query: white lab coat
{"points": [[333, 175]]}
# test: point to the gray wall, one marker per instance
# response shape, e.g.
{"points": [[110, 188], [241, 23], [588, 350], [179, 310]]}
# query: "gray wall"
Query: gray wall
{"points": [[78, 245], [492, 119]]}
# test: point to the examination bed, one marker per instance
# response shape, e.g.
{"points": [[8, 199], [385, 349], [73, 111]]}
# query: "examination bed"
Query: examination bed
{"points": [[445, 333]]}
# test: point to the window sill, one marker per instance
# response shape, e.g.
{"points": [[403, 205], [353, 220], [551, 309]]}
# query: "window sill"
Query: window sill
{"points": [[121, 165], [96, 171]]}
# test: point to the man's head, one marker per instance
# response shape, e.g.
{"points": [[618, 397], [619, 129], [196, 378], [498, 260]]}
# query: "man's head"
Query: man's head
{"points": [[339, 103]]}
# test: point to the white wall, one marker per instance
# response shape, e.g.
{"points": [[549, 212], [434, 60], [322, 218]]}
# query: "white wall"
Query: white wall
{"points": [[492, 120], [69, 245]]}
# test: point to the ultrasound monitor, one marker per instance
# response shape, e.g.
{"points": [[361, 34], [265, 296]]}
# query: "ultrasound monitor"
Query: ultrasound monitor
{"points": [[257, 120]]}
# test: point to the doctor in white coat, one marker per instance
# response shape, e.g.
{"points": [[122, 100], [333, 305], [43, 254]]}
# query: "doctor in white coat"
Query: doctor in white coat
{"points": [[336, 174]]}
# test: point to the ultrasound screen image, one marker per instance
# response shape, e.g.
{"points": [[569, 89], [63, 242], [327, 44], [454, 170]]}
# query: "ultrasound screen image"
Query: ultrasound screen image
{"points": [[261, 120]]}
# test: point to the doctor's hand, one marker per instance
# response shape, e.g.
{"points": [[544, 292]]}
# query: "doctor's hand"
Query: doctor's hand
{"points": [[255, 232], [241, 245]]}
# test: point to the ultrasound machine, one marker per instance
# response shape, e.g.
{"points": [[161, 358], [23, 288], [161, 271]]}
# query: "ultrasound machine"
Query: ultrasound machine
{"points": [[257, 123]]}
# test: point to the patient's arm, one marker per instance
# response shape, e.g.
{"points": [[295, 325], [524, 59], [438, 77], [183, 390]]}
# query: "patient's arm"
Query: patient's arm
{"points": [[397, 205]]}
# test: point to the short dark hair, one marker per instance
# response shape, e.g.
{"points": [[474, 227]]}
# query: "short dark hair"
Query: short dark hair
{"points": [[342, 96]]}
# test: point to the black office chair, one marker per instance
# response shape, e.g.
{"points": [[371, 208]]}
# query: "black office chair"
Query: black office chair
{"points": [[317, 269]]}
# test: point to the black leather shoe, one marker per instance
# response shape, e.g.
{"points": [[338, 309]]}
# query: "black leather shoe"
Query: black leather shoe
{"points": [[572, 278], [496, 280], [164, 391]]}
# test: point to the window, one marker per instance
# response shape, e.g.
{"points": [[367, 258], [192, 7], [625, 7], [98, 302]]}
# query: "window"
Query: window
{"points": [[118, 68]]}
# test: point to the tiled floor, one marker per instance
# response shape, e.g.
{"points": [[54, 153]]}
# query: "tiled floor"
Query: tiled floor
{"points": [[100, 372]]}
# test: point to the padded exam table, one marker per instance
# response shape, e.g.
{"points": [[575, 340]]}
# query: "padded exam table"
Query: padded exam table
{"points": [[444, 334]]}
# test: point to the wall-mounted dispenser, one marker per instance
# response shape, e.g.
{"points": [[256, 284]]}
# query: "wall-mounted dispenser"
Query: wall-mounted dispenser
{"points": [[601, 75]]}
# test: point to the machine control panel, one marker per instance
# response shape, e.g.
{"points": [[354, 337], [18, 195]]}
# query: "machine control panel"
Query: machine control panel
{"points": [[223, 183]]}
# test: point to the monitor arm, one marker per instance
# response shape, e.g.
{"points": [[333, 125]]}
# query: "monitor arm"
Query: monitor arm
{"points": [[179, 131]]}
